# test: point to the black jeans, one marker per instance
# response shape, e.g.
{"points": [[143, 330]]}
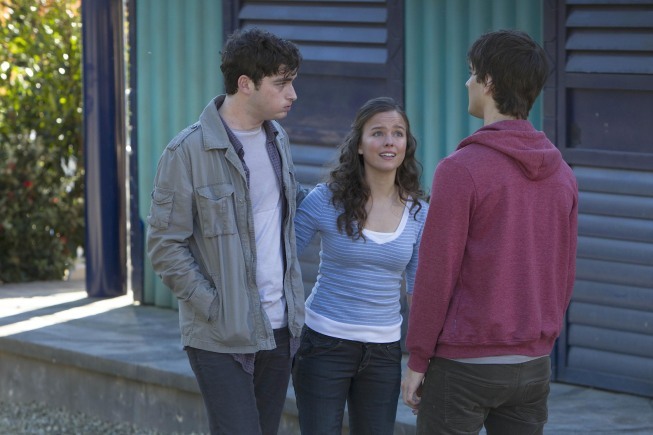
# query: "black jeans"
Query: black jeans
{"points": [[237, 402], [329, 372], [459, 398]]}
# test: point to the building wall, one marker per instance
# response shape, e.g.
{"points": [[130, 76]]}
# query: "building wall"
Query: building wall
{"points": [[602, 55], [438, 34], [177, 73], [177, 69], [599, 108]]}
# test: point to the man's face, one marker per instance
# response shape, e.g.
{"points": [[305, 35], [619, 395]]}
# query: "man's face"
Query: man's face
{"points": [[274, 97]]}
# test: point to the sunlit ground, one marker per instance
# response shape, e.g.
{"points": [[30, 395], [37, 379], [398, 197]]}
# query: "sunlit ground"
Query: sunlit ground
{"points": [[53, 293]]}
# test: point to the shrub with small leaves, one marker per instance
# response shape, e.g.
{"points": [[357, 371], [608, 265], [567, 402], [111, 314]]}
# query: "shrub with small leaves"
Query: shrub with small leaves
{"points": [[41, 168]]}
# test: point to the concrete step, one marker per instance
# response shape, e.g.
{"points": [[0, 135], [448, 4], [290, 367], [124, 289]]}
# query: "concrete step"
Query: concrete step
{"points": [[122, 362], [105, 357]]}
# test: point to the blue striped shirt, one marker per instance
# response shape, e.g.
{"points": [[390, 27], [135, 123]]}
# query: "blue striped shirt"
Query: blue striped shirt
{"points": [[356, 295]]}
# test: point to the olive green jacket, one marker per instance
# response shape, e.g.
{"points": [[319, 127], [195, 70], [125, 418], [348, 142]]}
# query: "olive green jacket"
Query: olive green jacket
{"points": [[201, 242]]}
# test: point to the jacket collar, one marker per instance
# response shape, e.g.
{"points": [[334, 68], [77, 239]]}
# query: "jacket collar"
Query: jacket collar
{"points": [[214, 134]]}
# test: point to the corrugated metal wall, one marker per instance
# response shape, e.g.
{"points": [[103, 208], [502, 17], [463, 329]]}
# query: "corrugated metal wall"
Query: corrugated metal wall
{"points": [[599, 111], [609, 333], [177, 56], [352, 51], [438, 34]]}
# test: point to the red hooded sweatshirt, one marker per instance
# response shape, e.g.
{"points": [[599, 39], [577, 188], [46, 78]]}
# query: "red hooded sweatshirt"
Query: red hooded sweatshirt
{"points": [[498, 253]]}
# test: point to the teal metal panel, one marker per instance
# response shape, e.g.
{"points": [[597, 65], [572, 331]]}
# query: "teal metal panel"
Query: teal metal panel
{"points": [[177, 55], [438, 34], [178, 72]]}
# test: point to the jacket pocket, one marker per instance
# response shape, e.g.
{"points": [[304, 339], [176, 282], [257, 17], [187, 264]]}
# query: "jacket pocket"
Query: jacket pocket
{"points": [[230, 319], [215, 205], [161, 208]]}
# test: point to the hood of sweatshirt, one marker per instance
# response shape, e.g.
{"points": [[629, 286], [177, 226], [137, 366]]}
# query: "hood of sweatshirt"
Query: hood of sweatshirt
{"points": [[530, 149]]}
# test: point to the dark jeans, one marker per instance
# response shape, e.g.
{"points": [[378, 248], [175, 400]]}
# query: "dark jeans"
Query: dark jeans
{"points": [[329, 372], [237, 402], [459, 398]]}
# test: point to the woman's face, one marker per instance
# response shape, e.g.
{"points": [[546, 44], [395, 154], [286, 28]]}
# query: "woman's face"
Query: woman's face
{"points": [[383, 142]]}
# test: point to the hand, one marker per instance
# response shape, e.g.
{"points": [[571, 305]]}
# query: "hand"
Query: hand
{"points": [[213, 309], [411, 389]]}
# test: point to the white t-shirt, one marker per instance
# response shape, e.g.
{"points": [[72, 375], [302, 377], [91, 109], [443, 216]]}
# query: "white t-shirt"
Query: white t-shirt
{"points": [[266, 206]]}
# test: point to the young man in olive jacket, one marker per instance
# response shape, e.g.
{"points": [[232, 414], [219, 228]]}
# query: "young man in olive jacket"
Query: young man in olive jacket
{"points": [[221, 236]]}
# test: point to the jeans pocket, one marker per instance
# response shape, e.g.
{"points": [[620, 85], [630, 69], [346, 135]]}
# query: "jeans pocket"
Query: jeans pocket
{"points": [[314, 344], [392, 351], [535, 398], [462, 396]]}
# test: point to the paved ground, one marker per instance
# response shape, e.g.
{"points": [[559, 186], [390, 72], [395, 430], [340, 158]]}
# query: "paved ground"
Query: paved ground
{"points": [[35, 418], [60, 315]]}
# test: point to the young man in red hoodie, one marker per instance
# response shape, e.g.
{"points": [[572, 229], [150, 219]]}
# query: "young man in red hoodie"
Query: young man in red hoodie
{"points": [[497, 258]]}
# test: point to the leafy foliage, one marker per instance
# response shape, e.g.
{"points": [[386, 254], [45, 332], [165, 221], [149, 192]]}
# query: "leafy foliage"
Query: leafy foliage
{"points": [[41, 169]]}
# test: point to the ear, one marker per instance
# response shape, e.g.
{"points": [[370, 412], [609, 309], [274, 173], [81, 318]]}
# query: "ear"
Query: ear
{"points": [[360, 151], [487, 88], [245, 84]]}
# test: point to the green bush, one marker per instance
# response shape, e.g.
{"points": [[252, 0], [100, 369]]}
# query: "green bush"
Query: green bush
{"points": [[41, 168]]}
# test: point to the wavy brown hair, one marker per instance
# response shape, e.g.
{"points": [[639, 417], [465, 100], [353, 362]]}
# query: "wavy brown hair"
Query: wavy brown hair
{"points": [[347, 180]]}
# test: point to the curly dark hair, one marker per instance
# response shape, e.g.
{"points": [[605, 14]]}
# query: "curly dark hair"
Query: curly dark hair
{"points": [[347, 180], [257, 53]]}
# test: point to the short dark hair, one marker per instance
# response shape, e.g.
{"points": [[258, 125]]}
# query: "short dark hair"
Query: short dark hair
{"points": [[517, 65], [347, 178], [257, 53]]}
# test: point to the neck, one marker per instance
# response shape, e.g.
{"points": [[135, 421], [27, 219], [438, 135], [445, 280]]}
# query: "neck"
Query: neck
{"points": [[382, 186], [493, 116], [235, 114]]}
